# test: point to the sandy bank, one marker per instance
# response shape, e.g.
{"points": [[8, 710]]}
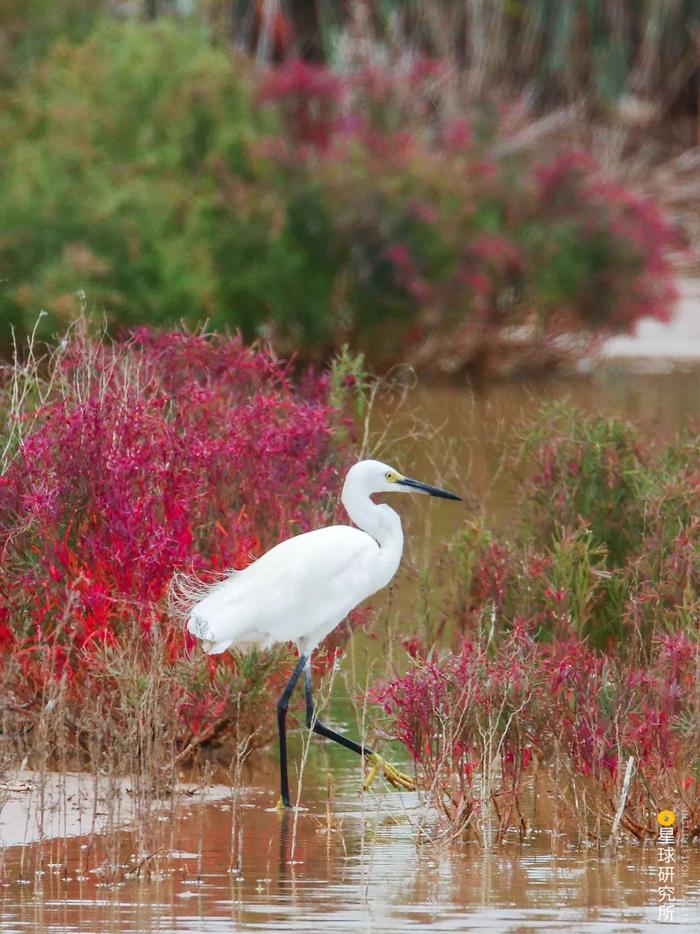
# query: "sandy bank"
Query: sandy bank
{"points": [[35, 807]]}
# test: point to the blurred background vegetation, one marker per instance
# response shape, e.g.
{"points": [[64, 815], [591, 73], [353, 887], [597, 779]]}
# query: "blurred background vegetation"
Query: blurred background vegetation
{"points": [[431, 183]]}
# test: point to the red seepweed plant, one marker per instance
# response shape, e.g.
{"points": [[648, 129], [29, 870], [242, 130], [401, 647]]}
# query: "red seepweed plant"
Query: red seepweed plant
{"points": [[574, 644], [125, 463]]}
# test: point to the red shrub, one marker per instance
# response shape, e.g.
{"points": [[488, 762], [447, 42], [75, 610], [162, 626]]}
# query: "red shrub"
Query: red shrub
{"points": [[168, 451], [571, 705]]}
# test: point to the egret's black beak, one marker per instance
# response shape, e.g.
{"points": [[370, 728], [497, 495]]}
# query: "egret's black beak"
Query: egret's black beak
{"points": [[427, 488]]}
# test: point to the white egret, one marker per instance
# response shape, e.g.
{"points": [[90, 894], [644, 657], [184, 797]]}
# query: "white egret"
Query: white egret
{"points": [[305, 586]]}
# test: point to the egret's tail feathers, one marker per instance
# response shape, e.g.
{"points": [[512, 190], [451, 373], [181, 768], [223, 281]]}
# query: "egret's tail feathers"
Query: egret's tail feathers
{"points": [[212, 646], [197, 626], [215, 648], [186, 590], [213, 612]]}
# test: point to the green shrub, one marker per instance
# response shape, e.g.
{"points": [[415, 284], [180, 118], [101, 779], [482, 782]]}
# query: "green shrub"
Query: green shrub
{"points": [[586, 468], [28, 28], [604, 539], [110, 184]]}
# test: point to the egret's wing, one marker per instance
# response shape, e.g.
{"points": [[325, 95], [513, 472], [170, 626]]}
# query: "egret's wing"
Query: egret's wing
{"points": [[290, 591]]}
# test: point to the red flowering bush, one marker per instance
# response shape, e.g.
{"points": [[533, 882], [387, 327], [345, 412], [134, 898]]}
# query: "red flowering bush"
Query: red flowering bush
{"points": [[320, 208], [452, 255], [486, 716], [135, 460], [576, 642]]}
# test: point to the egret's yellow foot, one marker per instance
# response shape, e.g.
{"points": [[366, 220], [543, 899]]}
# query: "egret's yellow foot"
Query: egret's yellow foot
{"points": [[391, 774], [280, 807]]}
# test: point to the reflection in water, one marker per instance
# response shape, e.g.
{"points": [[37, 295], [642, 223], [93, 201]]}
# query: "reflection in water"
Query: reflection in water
{"points": [[360, 871]]}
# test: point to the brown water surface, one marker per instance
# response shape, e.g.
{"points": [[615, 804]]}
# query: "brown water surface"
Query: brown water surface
{"points": [[359, 871]]}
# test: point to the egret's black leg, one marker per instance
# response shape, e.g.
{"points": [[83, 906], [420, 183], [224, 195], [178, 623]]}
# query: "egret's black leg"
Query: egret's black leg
{"points": [[321, 728], [282, 705], [393, 775]]}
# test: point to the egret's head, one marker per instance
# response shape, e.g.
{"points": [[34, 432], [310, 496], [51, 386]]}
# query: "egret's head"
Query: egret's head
{"points": [[375, 477]]}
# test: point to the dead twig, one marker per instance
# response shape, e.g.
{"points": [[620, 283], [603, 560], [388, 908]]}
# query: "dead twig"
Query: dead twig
{"points": [[610, 845]]}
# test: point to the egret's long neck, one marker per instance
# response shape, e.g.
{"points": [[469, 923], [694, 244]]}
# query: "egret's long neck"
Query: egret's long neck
{"points": [[379, 521]]}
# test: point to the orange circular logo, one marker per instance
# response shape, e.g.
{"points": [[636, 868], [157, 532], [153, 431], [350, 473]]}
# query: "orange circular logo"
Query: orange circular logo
{"points": [[666, 818]]}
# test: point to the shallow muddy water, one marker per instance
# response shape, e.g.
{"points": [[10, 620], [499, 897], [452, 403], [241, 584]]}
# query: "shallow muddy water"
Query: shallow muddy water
{"points": [[358, 871], [236, 864]]}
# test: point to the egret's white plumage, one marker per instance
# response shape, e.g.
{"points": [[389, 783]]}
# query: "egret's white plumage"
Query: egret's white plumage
{"points": [[302, 588]]}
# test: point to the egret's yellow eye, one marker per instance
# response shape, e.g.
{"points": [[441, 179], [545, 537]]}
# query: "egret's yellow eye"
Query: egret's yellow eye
{"points": [[391, 477]]}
